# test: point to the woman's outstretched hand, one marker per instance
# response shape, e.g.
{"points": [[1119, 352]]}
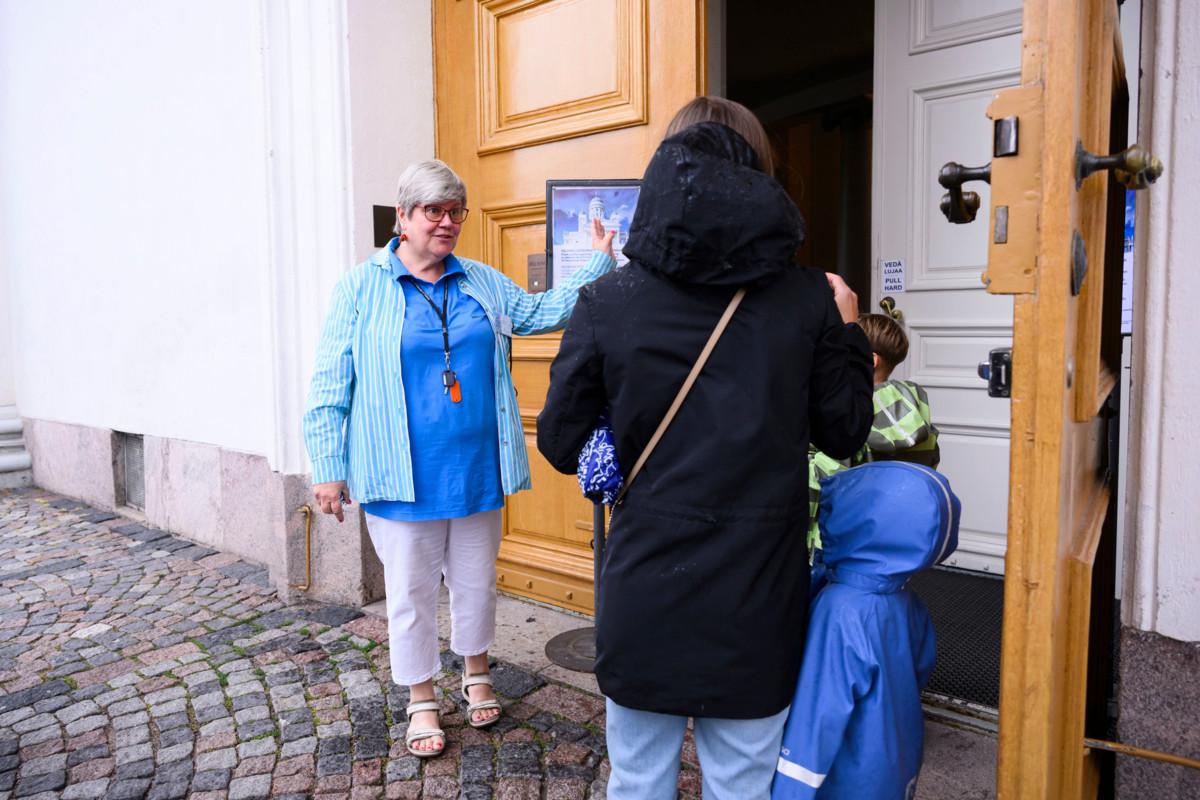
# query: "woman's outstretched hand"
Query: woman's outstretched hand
{"points": [[844, 297], [602, 240], [331, 497]]}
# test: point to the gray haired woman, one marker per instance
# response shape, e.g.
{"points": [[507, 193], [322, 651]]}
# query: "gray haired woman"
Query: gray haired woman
{"points": [[412, 412]]}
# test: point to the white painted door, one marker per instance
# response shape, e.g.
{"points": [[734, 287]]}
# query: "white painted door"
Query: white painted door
{"points": [[937, 65]]}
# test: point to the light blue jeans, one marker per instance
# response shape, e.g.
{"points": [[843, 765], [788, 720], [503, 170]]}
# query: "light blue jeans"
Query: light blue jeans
{"points": [[737, 756]]}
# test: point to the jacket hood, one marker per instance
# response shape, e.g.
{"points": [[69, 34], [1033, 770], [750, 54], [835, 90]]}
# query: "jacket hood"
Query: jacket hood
{"points": [[884, 521], [708, 215]]}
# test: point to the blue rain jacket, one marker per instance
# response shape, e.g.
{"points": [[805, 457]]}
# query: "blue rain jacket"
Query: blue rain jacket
{"points": [[855, 729]]}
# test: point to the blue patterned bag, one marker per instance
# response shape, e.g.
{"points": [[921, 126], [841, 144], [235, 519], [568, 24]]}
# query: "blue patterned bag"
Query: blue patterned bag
{"points": [[598, 472]]}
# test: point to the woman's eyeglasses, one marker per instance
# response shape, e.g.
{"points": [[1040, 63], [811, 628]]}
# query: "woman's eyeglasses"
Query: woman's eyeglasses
{"points": [[435, 213]]}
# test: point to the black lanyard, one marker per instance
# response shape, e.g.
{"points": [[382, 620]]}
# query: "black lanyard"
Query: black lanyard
{"points": [[448, 377]]}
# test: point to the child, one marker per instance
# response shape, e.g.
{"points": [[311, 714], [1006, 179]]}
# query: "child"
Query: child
{"points": [[855, 729], [902, 429]]}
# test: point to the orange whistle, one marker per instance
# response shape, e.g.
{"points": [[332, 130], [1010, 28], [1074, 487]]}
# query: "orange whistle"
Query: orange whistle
{"points": [[456, 392]]}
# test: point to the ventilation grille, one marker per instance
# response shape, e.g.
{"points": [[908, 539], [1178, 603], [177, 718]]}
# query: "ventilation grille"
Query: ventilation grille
{"points": [[131, 471]]}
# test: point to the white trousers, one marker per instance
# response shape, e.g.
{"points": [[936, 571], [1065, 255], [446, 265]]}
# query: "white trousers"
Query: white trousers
{"points": [[415, 556]]}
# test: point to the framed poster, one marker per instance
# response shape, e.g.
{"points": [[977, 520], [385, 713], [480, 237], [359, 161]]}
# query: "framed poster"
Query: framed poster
{"points": [[570, 208]]}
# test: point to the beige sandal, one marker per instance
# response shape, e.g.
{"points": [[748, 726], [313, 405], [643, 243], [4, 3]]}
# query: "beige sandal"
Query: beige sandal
{"points": [[483, 705], [411, 736]]}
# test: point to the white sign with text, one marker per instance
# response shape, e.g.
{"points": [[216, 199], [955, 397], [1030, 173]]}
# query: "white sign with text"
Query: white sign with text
{"points": [[893, 276]]}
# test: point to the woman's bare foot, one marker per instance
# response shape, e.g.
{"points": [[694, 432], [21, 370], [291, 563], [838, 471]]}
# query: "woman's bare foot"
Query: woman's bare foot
{"points": [[478, 665], [424, 720]]}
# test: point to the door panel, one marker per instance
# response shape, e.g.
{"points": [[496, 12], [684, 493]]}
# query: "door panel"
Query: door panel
{"points": [[938, 64], [523, 44], [983, 527], [534, 89], [510, 233], [944, 117], [947, 23], [1058, 255]]}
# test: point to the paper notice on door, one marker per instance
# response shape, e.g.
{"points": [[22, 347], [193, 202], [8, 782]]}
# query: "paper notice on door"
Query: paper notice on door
{"points": [[893, 276]]}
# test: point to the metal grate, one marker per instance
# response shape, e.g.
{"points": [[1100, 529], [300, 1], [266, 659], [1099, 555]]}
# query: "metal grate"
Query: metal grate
{"points": [[967, 610], [131, 470]]}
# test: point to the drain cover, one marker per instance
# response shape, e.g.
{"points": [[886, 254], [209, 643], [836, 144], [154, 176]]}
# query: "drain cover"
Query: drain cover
{"points": [[574, 650]]}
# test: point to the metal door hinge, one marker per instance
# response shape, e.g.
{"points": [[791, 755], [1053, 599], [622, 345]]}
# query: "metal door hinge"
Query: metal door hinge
{"points": [[997, 371]]}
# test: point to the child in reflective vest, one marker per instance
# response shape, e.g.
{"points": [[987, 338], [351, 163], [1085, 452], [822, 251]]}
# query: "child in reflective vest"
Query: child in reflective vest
{"points": [[902, 429], [855, 730]]}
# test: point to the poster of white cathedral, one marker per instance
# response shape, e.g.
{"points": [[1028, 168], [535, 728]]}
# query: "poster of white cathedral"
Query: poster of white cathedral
{"points": [[570, 208]]}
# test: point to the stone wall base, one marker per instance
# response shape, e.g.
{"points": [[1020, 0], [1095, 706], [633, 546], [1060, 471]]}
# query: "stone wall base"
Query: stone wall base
{"points": [[16, 480], [224, 499], [1159, 708]]}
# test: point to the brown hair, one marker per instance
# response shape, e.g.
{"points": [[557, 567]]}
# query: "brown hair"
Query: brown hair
{"points": [[732, 115], [886, 337]]}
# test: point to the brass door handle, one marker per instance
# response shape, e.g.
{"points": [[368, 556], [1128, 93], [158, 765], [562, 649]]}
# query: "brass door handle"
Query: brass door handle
{"points": [[1134, 168], [889, 308], [961, 207]]}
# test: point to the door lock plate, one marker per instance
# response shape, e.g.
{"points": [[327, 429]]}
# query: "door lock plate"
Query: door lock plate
{"points": [[997, 371], [1016, 180]]}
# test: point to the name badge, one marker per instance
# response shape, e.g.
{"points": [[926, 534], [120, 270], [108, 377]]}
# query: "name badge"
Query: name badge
{"points": [[506, 325]]}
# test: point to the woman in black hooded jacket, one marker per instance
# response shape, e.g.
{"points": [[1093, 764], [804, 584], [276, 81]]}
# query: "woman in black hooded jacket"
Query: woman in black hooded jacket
{"points": [[703, 596]]}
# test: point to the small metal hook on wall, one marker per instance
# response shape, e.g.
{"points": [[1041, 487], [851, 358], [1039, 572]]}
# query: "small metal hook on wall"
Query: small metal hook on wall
{"points": [[889, 308]]}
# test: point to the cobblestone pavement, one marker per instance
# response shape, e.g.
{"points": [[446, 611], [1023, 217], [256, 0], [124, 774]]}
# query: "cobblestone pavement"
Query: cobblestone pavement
{"points": [[137, 664]]}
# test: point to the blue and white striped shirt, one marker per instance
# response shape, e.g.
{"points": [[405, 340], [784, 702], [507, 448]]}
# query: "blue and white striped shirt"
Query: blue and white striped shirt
{"points": [[356, 422]]}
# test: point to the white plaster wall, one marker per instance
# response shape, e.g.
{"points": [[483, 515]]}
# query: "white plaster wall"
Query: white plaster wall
{"points": [[1163, 548], [132, 211], [183, 183], [391, 101]]}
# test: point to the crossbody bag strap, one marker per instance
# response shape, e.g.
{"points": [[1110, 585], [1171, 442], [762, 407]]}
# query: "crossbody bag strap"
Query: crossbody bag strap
{"points": [[683, 390]]}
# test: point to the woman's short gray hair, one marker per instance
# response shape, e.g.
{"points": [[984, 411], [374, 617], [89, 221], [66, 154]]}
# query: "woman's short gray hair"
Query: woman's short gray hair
{"points": [[427, 182]]}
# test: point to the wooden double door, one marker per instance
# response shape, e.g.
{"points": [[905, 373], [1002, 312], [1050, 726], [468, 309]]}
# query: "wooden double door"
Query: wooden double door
{"points": [[528, 90], [535, 89]]}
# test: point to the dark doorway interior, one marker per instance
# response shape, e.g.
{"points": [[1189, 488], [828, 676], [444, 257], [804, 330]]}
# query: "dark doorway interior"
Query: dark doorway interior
{"points": [[806, 70]]}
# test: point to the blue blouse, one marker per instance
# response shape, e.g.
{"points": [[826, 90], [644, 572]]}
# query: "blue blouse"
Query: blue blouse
{"points": [[455, 446]]}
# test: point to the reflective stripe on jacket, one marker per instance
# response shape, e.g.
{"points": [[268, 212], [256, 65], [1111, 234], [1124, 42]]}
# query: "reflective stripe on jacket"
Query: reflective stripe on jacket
{"points": [[902, 430]]}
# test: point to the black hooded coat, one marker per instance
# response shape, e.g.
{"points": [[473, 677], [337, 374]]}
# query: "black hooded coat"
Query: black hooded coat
{"points": [[703, 596]]}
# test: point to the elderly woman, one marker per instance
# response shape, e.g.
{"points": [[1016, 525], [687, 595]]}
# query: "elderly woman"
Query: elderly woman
{"points": [[703, 592], [412, 412]]}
